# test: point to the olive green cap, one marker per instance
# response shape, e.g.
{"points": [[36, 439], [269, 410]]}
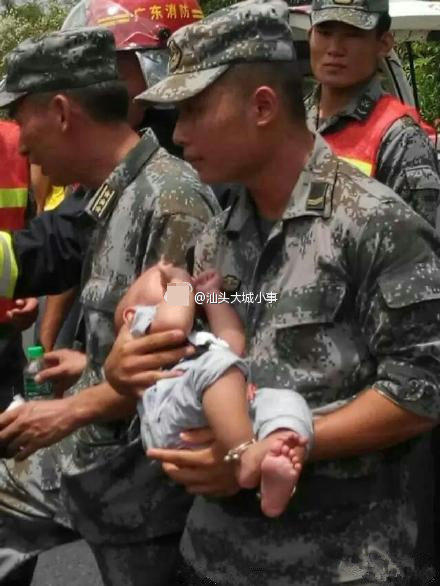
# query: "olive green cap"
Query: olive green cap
{"points": [[59, 61], [247, 32], [363, 14]]}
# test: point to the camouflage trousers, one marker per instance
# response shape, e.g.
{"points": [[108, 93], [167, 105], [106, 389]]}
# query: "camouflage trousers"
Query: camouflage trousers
{"points": [[338, 540], [33, 519], [186, 576]]}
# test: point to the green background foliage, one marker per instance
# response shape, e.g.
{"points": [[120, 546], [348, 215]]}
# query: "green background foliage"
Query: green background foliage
{"points": [[427, 69], [18, 22], [209, 6]]}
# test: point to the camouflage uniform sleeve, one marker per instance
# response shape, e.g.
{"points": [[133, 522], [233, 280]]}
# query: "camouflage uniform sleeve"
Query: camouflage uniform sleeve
{"points": [[208, 245], [178, 218], [398, 306], [176, 234], [407, 163]]}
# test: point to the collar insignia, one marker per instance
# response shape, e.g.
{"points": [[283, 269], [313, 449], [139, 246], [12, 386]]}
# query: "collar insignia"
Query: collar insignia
{"points": [[101, 202]]}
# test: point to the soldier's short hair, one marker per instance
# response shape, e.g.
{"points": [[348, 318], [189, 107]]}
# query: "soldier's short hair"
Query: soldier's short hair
{"points": [[383, 24], [106, 102], [283, 77]]}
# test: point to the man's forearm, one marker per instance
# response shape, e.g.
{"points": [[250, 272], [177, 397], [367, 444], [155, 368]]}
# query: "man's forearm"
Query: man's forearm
{"points": [[100, 403], [370, 422]]}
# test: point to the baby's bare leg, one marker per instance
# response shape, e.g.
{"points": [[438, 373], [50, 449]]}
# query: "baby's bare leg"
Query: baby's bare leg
{"points": [[277, 460], [226, 409]]}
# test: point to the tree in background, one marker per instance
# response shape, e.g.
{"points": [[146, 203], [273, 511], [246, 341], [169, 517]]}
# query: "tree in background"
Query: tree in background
{"points": [[209, 6], [427, 69], [18, 22]]}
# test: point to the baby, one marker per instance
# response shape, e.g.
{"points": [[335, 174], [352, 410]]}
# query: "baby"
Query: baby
{"points": [[211, 389]]}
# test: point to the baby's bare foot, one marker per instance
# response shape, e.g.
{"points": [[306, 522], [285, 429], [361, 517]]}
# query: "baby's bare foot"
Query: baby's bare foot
{"points": [[276, 462], [280, 471]]}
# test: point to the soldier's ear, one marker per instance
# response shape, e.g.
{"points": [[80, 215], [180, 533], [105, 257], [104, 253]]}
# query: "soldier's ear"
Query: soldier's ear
{"points": [[61, 109], [266, 104], [386, 43]]}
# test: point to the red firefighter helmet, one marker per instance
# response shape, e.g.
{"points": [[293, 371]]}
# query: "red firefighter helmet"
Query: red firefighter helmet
{"points": [[142, 26], [136, 24]]}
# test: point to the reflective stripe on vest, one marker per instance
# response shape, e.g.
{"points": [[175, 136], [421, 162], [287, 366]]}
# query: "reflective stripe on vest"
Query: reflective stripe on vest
{"points": [[13, 204], [359, 141], [14, 183], [8, 267]]}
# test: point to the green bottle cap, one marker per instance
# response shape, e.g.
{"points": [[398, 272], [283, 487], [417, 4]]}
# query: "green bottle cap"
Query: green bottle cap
{"points": [[35, 351]]}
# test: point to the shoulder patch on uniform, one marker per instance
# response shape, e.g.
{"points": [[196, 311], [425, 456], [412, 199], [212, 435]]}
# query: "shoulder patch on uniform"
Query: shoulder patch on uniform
{"points": [[101, 202], [231, 284], [317, 197]]}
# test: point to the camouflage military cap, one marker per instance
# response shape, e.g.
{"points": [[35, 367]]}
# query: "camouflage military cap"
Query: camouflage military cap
{"points": [[250, 31], [362, 14], [59, 61]]}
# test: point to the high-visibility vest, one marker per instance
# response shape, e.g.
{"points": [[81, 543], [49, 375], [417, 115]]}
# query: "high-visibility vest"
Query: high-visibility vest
{"points": [[14, 183], [359, 141], [55, 197]]}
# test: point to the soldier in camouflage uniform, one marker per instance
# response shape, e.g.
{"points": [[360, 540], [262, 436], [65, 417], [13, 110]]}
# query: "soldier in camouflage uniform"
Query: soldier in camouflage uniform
{"points": [[97, 482], [356, 277], [406, 160], [346, 41]]}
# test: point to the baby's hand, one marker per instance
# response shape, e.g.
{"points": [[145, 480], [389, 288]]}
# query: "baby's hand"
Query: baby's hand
{"points": [[208, 282]]}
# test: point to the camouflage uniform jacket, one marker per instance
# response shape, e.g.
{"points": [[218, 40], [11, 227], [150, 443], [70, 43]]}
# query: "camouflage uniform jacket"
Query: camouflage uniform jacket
{"points": [[151, 205], [407, 161], [357, 278]]}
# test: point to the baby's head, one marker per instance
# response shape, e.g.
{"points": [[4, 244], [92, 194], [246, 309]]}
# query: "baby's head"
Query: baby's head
{"points": [[148, 289]]}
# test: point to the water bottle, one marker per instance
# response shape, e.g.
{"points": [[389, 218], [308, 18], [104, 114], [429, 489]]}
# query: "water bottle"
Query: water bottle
{"points": [[32, 389]]}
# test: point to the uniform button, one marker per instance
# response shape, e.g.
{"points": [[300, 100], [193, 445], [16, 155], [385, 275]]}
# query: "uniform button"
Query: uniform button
{"points": [[417, 389]]}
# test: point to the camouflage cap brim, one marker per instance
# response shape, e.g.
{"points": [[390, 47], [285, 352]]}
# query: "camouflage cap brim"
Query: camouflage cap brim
{"points": [[358, 18], [8, 98], [181, 86]]}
